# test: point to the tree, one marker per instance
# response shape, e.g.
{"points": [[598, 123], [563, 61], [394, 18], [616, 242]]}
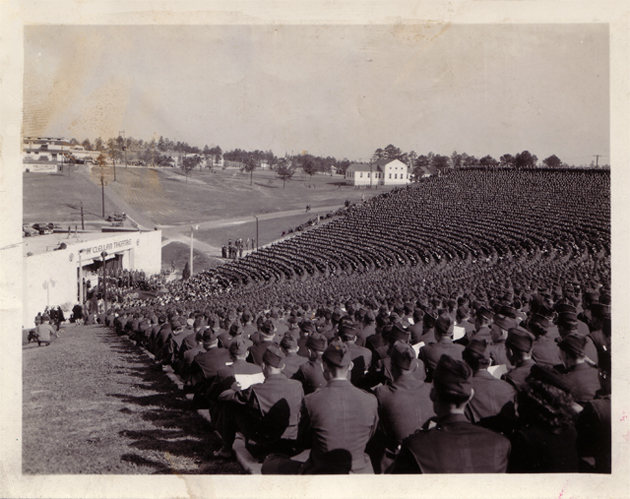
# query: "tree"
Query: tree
{"points": [[249, 165], [309, 168], [525, 160], [469, 161], [441, 162], [113, 150], [507, 161], [186, 271], [378, 154], [392, 152], [552, 161], [456, 160], [86, 145], [98, 144], [285, 170], [189, 163], [161, 145], [488, 162]]}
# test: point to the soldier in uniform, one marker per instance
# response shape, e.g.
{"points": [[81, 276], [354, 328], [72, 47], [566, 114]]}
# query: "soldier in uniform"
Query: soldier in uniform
{"points": [[492, 396], [336, 422], [582, 378], [404, 406], [265, 412], [455, 445], [431, 353], [311, 373], [519, 345]]}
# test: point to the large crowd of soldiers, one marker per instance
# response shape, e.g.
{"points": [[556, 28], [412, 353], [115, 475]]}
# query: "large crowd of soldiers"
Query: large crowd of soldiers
{"points": [[461, 325]]}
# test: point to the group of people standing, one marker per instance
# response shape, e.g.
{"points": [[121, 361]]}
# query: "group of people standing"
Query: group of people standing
{"points": [[234, 251]]}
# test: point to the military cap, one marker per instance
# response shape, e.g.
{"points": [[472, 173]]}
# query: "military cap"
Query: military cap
{"points": [[504, 322], [403, 355], [209, 335], [316, 341], [462, 311], [573, 344], [235, 329], [540, 320], [307, 326], [274, 313], [429, 318], [565, 308], [452, 377], [288, 342], [273, 356], [239, 345], [396, 332], [347, 329], [483, 312], [267, 327], [338, 355], [443, 324], [398, 310], [519, 339], [369, 315], [601, 311], [479, 348], [549, 377], [567, 320], [336, 315], [175, 324], [508, 311], [545, 310]]}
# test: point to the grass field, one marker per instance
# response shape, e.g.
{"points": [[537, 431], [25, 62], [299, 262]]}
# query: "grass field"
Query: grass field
{"points": [[164, 197]]}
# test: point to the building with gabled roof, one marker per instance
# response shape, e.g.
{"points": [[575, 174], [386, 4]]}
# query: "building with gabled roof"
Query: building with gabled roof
{"points": [[381, 172]]}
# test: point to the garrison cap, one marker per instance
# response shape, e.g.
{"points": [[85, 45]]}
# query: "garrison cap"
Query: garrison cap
{"points": [[519, 339], [288, 342], [403, 356], [316, 341], [484, 313], [479, 348], [452, 377], [504, 322], [573, 344], [273, 356], [338, 355], [443, 324], [240, 345]]}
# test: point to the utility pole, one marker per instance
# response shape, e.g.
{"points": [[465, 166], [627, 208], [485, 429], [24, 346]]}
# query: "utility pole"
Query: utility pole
{"points": [[103, 192], [104, 254], [256, 231], [81, 300], [192, 229], [596, 159], [122, 134], [82, 221]]}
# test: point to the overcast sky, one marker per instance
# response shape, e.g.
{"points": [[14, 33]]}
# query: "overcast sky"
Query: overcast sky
{"points": [[329, 90]]}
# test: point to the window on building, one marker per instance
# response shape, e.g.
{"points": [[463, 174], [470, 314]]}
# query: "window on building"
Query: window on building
{"points": [[390, 175], [361, 174]]}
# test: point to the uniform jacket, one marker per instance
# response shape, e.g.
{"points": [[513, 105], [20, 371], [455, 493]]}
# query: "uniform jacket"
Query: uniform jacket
{"points": [[338, 417], [311, 375], [518, 375], [491, 396], [455, 445]]}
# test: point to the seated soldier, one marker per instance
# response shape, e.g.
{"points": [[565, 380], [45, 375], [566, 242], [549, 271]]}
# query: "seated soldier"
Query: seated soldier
{"points": [[431, 353], [492, 396], [455, 445], [404, 406], [582, 378], [519, 345], [266, 413], [336, 422]]}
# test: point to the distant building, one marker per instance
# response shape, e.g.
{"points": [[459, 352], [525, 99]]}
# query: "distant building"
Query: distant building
{"points": [[381, 172], [48, 154], [44, 154]]}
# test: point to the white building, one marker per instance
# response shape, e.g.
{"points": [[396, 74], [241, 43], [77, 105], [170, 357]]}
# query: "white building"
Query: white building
{"points": [[381, 172], [47, 154], [52, 275]]}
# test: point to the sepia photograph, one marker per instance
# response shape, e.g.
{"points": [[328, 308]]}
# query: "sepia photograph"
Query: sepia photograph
{"points": [[242, 244]]}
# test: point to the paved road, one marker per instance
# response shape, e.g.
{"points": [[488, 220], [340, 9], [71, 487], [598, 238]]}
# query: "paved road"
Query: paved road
{"points": [[92, 405]]}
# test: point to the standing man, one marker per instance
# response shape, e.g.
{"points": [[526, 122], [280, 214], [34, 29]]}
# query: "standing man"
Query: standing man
{"points": [[455, 445]]}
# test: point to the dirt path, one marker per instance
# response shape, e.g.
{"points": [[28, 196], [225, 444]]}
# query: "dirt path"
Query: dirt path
{"points": [[92, 405]]}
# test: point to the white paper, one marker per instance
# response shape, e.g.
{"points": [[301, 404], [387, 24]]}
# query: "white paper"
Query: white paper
{"points": [[247, 380], [417, 347], [498, 371], [458, 332]]}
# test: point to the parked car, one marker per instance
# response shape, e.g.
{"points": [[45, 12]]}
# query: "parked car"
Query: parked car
{"points": [[43, 228], [28, 231]]}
